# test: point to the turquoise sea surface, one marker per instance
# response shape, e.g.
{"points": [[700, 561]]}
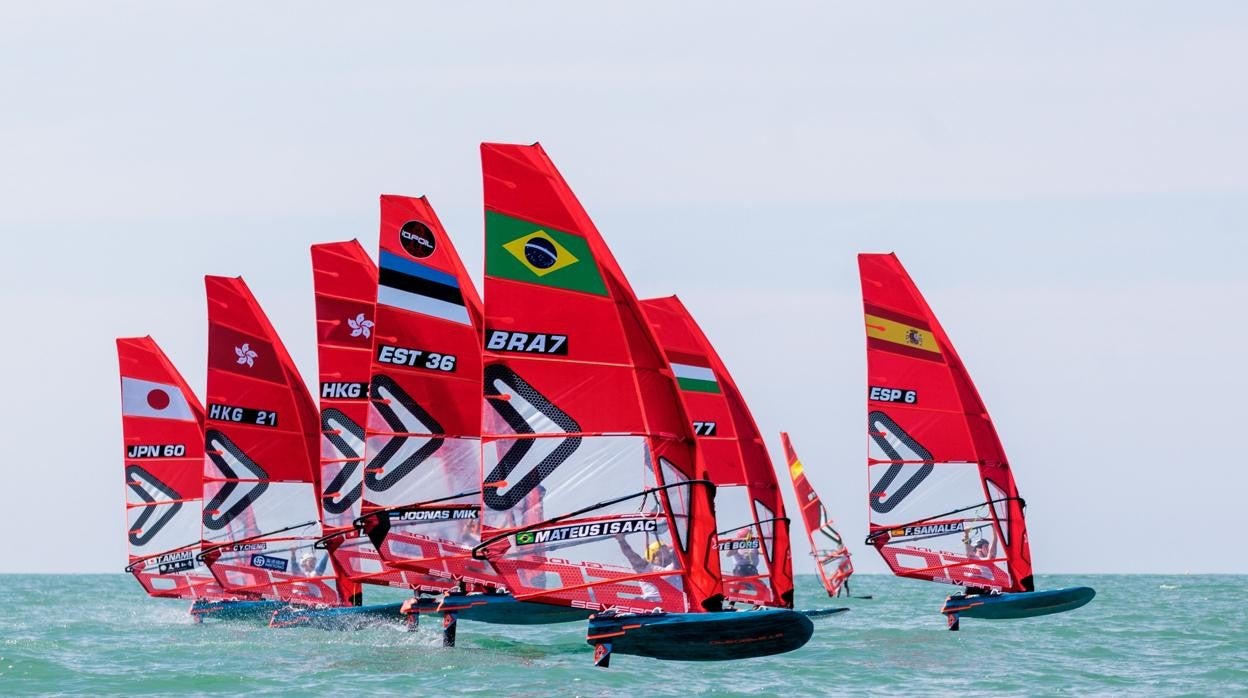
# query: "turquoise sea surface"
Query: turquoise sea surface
{"points": [[1142, 635]]}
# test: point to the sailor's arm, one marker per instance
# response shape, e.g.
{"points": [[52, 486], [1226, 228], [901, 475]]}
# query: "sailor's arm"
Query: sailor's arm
{"points": [[639, 564]]}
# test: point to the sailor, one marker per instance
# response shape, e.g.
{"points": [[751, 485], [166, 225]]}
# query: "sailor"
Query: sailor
{"points": [[659, 558], [307, 564], [843, 590], [745, 556], [981, 549], [531, 511]]}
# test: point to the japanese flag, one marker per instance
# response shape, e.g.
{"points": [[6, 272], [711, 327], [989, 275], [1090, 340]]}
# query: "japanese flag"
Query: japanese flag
{"points": [[140, 398]]}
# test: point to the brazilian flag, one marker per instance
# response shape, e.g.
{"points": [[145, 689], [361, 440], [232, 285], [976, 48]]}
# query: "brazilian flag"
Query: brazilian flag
{"points": [[525, 538], [518, 250]]}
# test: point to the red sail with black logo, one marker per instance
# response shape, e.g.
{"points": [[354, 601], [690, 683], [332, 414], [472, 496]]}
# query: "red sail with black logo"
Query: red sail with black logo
{"points": [[592, 495], [262, 472], [162, 425], [943, 505], [421, 486], [754, 550], [345, 283], [832, 558]]}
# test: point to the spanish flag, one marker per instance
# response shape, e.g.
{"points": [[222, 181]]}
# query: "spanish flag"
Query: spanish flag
{"points": [[901, 333]]}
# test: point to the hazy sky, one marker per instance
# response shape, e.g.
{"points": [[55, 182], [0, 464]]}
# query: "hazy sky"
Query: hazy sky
{"points": [[1065, 181]]}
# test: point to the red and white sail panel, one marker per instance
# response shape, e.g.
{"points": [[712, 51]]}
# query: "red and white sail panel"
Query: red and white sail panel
{"points": [[832, 558], [424, 450], [588, 496], [261, 516], [162, 424], [345, 283], [754, 554], [942, 503]]}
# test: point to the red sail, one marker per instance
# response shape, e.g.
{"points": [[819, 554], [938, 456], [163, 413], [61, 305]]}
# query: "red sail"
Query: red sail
{"points": [[754, 550], [943, 505], [345, 283], [832, 559], [262, 472], [424, 448], [162, 425], [592, 496]]}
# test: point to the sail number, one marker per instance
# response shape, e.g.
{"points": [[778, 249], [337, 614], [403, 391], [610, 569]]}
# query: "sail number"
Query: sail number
{"points": [[705, 428], [416, 358], [880, 393], [527, 342], [241, 415]]}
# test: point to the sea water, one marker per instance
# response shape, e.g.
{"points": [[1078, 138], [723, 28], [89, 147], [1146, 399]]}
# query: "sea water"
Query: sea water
{"points": [[1142, 635]]}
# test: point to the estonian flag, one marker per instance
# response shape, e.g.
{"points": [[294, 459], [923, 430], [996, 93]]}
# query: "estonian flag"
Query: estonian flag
{"points": [[405, 284]]}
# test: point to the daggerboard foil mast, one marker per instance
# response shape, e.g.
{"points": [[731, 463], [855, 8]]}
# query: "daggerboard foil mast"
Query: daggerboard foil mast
{"points": [[345, 283], [943, 505], [832, 558], [754, 553], [422, 485], [162, 426], [262, 472], [591, 494]]}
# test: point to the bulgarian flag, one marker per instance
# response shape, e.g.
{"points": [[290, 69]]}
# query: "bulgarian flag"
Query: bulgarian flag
{"points": [[693, 374]]}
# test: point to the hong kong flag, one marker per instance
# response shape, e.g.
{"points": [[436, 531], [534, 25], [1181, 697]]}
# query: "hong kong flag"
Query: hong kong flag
{"points": [[238, 352]]}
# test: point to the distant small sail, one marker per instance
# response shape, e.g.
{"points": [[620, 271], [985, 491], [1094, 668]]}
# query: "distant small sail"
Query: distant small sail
{"points": [[832, 558]]}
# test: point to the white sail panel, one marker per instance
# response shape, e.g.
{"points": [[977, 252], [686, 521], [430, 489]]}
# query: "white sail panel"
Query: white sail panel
{"points": [[403, 471], [282, 510], [580, 476], [169, 526]]}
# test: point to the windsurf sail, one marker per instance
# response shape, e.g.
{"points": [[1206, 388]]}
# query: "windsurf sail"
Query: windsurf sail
{"points": [[832, 558], [754, 554], [942, 503], [591, 496], [261, 515], [162, 425], [345, 284], [421, 495]]}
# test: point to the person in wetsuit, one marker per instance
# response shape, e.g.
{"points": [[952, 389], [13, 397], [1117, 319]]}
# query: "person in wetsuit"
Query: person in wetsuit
{"points": [[659, 558], [980, 549], [744, 557]]}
